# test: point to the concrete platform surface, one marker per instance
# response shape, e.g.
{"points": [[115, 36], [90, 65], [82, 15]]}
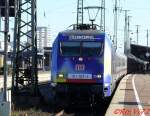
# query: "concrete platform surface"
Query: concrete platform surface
{"points": [[132, 97]]}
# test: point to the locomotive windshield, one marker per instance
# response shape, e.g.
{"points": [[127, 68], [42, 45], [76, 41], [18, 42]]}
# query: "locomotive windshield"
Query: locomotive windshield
{"points": [[91, 48], [70, 48], [81, 48]]}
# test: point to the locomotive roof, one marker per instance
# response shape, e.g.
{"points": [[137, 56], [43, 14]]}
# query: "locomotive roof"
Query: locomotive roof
{"points": [[83, 32]]}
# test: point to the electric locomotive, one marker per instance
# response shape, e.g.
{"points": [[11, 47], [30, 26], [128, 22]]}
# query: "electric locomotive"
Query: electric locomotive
{"points": [[85, 62]]}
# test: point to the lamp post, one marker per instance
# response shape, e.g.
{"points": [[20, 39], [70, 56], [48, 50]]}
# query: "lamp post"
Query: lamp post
{"points": [[137, 33], [6, 47], [43, 61], [147, 52]]}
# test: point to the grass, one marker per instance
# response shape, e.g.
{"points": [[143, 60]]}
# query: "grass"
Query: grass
{"points": [[26, 108], [30, 112]]}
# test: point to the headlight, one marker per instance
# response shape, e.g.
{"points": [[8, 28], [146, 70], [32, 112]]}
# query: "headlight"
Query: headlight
{"points": [[106, 84], [61, 76], [53, 84], [99, 76]]}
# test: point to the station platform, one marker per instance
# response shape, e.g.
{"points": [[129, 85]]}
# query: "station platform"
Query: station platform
{"points": [[43, 76], [132, 97]]}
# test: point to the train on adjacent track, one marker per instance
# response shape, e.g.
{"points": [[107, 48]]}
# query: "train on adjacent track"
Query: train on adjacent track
{"points": [[85, 62]]}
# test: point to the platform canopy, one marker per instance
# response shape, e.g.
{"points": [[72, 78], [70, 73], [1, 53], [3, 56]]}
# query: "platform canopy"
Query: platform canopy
{"points": [[142, 52], [11, 9]]}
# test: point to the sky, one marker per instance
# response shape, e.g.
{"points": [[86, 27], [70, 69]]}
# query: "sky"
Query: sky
{"points": [[60, 14]]}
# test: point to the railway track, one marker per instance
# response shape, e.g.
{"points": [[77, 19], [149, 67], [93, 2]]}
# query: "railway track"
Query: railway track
{"points": [[72, 109]]}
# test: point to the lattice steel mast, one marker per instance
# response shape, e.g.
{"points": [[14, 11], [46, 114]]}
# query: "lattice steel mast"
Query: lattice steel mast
{"points": [[115, 23], [102, 20], [80, 12], [24, 78]]}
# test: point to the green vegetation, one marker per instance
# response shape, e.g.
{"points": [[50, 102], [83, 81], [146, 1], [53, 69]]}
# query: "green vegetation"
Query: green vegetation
{"points": [[30, 112]]}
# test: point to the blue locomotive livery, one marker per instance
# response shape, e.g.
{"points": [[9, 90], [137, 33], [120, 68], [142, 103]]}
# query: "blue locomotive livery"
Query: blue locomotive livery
{"points": [[85, 62]]}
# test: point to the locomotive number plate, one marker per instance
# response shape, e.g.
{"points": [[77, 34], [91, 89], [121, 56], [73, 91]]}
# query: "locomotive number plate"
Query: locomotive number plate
{"points": [[79, 76]]}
